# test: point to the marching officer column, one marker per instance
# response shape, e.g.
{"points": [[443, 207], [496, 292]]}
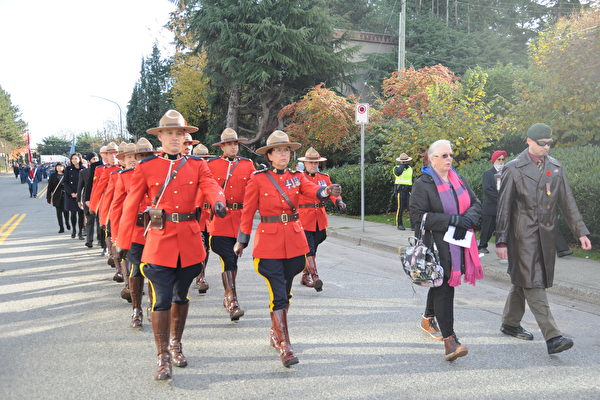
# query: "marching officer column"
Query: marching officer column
{"points": [[314, 217], [132, 155], [173, 253], [202, 152], [232, 173], [279, 244]]}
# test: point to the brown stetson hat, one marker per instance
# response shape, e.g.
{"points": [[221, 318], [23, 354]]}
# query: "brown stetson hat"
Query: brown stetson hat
{"points": [[403, 158], [312, 155], [128, 148], [229, 136], [122, 147], [278, 139], [202, 151], [189, 140], [143, 146], [172, 120], [112, 148]]}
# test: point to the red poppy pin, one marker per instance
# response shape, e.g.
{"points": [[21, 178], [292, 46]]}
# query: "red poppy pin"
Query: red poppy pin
{"points": [[548, 173]]}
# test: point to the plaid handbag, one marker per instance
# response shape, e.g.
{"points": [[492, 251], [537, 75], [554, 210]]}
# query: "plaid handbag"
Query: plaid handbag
{"points": [[422, 264]]}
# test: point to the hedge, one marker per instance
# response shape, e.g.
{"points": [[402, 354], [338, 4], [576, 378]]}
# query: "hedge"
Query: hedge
{"points": [[581, 163]]}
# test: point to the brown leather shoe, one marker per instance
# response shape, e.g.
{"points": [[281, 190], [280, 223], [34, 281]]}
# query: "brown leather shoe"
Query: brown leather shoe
{"points": [[201, 283], [137, 318], [230, 301], [454, 349], [160, 326], [429, 326], [279, 320], [306, 278], [179, 314], [126, 294], [312, 270]]}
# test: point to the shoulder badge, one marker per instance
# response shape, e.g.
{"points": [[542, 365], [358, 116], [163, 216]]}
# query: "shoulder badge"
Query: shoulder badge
{"points": [[148, 159]]}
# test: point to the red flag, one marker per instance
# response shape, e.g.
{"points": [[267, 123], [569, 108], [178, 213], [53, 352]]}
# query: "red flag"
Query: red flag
{"points": [[29, 146]]}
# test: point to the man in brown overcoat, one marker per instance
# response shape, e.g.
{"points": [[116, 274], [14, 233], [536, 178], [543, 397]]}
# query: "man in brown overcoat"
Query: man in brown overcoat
{"points": [[532, 187]]}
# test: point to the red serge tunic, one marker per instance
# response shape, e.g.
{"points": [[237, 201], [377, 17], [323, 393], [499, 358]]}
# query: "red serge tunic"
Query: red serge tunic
{"points": [[311, 217], [276, 239], [101, 175], [234, 192], [116, 208], [175, 241], [106, 200]]}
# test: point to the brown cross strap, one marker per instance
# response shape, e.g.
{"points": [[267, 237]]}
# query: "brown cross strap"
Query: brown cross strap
{"points": [[164, 186], [281, 192], [281, 218]]}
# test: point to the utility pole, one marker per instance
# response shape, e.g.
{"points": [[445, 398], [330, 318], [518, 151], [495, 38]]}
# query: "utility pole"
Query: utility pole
{"points": [[120, 113], [402, 37]]}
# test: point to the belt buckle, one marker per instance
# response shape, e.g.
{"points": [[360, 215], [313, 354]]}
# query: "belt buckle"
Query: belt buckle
{"points": [[235, 206], [284, 218], [175, 217], [205, 206]]}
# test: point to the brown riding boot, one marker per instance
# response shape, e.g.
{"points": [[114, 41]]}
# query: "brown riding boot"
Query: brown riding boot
{"points": [[230, 298], [454, 349], [160, 326], [179, 314], [111, 255], [306, 277], [279, 320], [312, 270], [201, 283], [429, 326], [136, 284], [125, 292]]}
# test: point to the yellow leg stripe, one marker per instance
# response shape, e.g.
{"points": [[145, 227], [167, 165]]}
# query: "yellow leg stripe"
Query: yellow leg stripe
{"points": [[142, 265], [397, 208], [271, 295], [131, 266]]}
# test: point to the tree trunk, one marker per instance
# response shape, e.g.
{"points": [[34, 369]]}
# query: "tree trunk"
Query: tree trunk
{"points": [[232, 107], [268, 100]]}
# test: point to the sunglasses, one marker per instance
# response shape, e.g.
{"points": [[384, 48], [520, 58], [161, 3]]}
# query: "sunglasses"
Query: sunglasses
{"points": [[445, 155], [545, 143]]}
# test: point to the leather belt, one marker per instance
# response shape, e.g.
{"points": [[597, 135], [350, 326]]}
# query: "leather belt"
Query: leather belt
{"points": [[179, 217], [315, 205], [140, 220], [281, 218], [235, 206]]}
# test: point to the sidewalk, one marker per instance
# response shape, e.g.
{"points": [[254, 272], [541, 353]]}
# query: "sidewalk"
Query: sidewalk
{"points": [[575, 278]]}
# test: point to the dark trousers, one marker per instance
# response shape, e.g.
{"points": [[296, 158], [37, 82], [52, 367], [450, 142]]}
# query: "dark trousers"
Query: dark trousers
{"points": [[134, 256], [60, 213], [440, 304], [169, 285], [314, 239], [488, 227], [559, 240], [206, 243], [77, 220], [223, 246], [33, 188], [402, 200], [101, 232], [89, 224], [279, 274]]}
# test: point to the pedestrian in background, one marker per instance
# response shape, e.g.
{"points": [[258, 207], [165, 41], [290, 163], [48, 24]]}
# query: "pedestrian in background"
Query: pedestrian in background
{"points": [[490, 187], [532, 187], [55, 196], [34, 176], [449, 203], [70, 187], [16, 170], [84, 186], [23, 173], [403, 180], [280, 245]]}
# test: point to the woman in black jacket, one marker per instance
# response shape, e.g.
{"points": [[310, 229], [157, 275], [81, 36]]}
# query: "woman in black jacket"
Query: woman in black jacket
{"points": [[55, 193], [70, 186], [450, 204]]}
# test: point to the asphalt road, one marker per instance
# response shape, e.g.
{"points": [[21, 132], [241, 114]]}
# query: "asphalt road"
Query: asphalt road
{"points": [[64, 331]]}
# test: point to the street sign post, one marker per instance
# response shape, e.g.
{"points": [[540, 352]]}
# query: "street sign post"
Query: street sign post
{"points": [[361, 117]]}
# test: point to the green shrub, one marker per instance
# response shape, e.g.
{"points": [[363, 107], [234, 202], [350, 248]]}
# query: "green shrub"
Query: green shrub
{"points": [[379, 187]]}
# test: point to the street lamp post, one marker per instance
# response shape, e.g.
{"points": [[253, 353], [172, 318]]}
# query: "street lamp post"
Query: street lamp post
{"points": [[120, 113]]}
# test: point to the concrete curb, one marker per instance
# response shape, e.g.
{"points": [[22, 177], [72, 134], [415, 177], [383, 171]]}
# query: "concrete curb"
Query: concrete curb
{"points": [[496, 272]]}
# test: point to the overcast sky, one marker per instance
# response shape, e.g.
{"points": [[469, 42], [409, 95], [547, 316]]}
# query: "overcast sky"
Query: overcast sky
{"points": [[54, 55]]}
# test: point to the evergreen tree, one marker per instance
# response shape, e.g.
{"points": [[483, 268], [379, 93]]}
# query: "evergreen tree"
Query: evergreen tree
{"points": [[12, 126]]}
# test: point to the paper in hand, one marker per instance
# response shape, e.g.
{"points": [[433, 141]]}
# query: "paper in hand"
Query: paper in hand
{"points": [[449, 237]]}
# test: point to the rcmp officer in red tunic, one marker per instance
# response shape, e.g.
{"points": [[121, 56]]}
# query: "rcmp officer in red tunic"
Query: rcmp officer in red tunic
{"points": [[173, 253], [314, 217], [232, 173], [189, 144], [201, 151], [279, 244], [133, 154]]}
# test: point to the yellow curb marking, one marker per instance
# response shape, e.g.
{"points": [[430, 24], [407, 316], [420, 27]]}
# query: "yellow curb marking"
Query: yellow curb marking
{"points": [[12, 227]]}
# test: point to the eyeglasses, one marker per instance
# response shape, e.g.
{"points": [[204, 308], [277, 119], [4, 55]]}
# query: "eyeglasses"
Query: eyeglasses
{"points": [[545, 143], [445, 155]]}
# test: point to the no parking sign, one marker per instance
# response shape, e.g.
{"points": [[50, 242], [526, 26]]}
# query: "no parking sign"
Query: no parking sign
{"points": [[362, 113]]}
